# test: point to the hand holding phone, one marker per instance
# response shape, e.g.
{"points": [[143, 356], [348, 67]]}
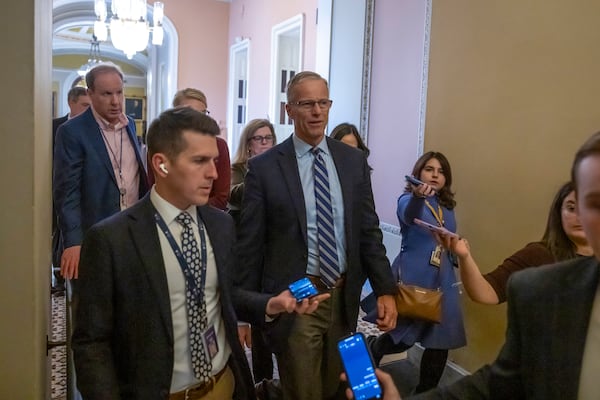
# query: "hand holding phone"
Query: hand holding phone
{"points": [[359, 367], [412, 180], [434, 228], [302, 289]]}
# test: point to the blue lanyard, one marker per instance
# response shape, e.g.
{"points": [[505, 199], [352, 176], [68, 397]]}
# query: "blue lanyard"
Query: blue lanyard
{"points": [[196, 291]]}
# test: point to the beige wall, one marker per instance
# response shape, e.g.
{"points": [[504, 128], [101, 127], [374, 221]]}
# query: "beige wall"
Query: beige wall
{"points": [[26, 202], [513, 91]]}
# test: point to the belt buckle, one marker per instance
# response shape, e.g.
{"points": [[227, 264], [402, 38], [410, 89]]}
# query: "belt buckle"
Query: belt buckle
{"points": [[205, 386]]}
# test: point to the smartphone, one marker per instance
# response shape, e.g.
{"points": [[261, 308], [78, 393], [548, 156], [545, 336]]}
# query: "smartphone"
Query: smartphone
{"points": [[303, 288], [359, 367], [434, 228], [413, 180]]}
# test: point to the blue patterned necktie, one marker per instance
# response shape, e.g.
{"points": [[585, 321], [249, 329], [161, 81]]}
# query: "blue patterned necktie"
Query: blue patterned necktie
{"points": [[328, 258], [196, 310]]}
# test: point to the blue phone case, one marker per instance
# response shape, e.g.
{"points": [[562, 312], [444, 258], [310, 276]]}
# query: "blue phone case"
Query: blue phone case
{"points": [[359, 367], [303, 288]]}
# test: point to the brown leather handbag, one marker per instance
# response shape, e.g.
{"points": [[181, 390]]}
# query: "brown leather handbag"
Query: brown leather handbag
{"points": [[419, 303]]}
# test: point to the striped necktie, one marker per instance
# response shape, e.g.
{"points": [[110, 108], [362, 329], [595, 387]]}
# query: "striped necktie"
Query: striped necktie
{"points": [[328, 258]]}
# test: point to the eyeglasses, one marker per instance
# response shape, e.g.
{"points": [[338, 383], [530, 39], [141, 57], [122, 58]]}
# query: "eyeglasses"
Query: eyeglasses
{"points": [[261, 139], [308, 105]]}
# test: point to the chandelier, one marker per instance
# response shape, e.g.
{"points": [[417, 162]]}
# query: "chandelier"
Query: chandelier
{"points": [[93, 59], [129, 28]]}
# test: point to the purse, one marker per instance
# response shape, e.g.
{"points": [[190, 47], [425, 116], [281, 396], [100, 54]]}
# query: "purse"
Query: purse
{"points": [[419, 303]]}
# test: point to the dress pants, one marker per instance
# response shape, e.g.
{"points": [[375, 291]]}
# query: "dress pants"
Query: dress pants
{"points": [[262, 356], [309, 364]]}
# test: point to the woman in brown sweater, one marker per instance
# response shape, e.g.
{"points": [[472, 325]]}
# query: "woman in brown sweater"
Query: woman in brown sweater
{"points": [[563, 239]]}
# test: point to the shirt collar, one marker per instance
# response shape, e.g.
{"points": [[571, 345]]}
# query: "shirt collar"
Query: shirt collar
{"points": [[104, 124], [168, 211], [302, 148]]}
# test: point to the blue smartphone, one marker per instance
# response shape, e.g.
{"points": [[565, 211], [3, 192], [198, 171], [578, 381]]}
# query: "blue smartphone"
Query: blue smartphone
{"points": [[302, 289], [413, 180], [359, 367]]}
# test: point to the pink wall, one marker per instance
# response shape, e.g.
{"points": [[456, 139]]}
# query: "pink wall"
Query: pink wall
{"points": [[202, 27], [254, 19], [206, 30], [395, 98]]}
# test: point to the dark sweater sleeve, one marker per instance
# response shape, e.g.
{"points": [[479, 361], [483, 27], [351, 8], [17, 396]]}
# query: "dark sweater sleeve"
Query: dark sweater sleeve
{"points": [[533, 255]]}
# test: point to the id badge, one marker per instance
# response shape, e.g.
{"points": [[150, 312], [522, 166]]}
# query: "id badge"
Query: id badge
{"points": [[436, 256], [209, 337]]}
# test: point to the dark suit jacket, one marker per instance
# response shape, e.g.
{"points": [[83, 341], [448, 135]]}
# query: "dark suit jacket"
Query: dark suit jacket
{"points": [[123, 338], [548, 316], [272, 247], [56, 239], [85, 188], [56, 122]]}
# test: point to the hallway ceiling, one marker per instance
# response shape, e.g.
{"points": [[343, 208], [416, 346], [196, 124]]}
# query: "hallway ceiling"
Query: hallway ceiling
{"points": [[73, 22]]}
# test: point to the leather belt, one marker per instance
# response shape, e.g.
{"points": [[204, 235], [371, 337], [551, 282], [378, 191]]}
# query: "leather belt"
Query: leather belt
{"points": [[200, 390], [322, 287]]}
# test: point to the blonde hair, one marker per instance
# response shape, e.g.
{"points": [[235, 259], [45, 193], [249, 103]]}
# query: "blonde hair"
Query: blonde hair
{"points": [[189, 93], [243, 151]]}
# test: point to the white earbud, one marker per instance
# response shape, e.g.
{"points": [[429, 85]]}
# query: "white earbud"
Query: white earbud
{"points": [[163, 168]]}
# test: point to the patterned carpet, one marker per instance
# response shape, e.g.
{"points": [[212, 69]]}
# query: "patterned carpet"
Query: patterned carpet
{"points": [[58, 355]]}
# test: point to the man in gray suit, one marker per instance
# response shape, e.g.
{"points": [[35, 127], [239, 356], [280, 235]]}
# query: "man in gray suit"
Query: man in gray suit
{"points": [[553, 334]]}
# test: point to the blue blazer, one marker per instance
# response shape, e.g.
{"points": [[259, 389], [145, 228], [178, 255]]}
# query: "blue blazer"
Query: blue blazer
{"points": [[272, 246], [123, 338], [85, 188]]}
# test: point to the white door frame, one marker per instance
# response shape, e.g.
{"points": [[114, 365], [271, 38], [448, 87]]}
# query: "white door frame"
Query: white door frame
{"points": [[235, 52], [285, 28]]}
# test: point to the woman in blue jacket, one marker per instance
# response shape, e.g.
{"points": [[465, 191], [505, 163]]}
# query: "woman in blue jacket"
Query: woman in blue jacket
{"points": [[423, 262]]}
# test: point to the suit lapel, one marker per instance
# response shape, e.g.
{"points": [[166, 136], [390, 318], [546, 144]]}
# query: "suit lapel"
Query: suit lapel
{"points": [[94, 136], [130, 128], [346, 182], [289, 169], [215, 235], [145, 240]]}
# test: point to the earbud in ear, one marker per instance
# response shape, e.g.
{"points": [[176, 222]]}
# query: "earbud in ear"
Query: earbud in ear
{"points": [[163, 168]]}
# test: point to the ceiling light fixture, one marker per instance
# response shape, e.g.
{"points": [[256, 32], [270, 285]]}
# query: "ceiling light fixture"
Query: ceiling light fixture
{"points": [[93, 59], [129, 28]]}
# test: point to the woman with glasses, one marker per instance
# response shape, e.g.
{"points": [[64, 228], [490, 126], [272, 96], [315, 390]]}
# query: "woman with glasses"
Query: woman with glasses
{"points": [[257, 137], [563, 239]]}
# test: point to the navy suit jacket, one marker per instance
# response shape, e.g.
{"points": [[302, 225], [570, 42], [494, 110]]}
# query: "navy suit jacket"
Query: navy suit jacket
{"points": [[548, 316], [85, 188], [272, 246], [123, 338]]}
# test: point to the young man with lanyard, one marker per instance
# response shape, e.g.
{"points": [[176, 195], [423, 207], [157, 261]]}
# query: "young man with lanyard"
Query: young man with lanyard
{"points": [[156, 314]]}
